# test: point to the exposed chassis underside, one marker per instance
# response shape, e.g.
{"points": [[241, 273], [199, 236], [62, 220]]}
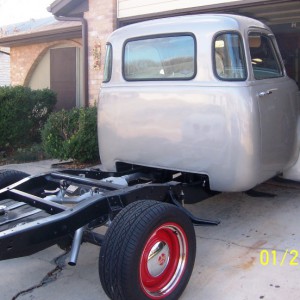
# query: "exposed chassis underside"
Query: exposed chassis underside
{"points": [[41, 211]]}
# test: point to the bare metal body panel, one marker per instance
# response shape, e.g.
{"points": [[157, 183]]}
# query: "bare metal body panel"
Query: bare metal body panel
{"points": [[230, 131]]}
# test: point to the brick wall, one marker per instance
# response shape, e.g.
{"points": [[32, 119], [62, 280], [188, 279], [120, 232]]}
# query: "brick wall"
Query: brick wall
{"points": [[102, 20], [24, 59]]}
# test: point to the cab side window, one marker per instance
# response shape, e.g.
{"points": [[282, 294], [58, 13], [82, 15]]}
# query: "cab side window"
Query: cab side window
{"points": [[229, 58], [264, 57]]}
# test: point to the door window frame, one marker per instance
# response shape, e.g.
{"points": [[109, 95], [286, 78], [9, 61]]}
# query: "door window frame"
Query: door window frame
{"points": [[275, 50]]}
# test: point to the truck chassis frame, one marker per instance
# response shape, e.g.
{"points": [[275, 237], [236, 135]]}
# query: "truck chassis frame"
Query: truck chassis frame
{"points": [[65, 207]]}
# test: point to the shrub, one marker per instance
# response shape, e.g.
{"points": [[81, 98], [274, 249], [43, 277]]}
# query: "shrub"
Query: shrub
{"points": [[72, 135], [33, 152], [23, 112]]}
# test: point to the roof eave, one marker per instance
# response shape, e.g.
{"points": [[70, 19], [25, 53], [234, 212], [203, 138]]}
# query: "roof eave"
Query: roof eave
{"points": [[64, 7], [42, 36]]}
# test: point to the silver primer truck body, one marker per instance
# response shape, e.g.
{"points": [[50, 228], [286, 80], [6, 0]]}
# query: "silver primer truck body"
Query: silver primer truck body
{"points": [[204, 94]]}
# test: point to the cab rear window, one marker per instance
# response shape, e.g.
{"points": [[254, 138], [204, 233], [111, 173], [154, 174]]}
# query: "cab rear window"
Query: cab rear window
{"points": [[160, 58]]}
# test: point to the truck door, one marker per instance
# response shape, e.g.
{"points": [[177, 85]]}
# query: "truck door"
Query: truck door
{"points": [[276, 98]]}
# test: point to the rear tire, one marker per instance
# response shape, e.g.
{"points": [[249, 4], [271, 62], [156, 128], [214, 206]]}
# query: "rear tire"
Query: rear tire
{"points": [[8, 177], [148, 252]]}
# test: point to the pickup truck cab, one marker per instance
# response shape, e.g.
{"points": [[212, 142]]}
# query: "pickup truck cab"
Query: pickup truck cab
{"points": [[202, 94]]}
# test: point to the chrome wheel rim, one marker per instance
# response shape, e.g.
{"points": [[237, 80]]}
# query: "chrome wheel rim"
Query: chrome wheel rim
{"points": [[163, 260]]}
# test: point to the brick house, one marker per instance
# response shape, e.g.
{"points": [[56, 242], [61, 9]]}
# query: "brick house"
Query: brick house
{"points": [[37, 56], [66, 56]]}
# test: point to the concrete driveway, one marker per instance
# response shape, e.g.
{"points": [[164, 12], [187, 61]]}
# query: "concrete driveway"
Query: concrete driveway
{"points": [[252, 254]]}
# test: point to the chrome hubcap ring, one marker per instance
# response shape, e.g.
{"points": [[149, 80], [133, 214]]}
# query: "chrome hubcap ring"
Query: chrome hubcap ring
{"points": [[163, 260]]}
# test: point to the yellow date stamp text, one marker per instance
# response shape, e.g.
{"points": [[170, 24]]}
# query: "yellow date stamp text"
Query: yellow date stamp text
{"points": [[279, 258]]}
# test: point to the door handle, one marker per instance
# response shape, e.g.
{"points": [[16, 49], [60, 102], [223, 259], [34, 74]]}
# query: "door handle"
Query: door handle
{"points": [[268, 92]]}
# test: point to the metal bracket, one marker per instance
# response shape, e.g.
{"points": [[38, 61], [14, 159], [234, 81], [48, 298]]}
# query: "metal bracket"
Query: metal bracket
{"points": [[195, 220]]}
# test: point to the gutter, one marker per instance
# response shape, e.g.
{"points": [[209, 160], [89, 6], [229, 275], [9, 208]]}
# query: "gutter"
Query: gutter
{"points": [[41, 36], [85, 53]]}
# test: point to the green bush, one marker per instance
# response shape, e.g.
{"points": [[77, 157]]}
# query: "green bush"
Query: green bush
{"points": [[33, 152], [23, 112], [72, 135]]}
